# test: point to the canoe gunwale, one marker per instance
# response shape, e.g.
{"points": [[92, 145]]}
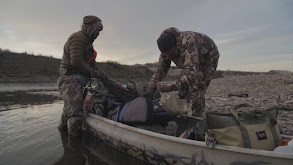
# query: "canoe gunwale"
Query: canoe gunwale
{"points": [[196, 143]]}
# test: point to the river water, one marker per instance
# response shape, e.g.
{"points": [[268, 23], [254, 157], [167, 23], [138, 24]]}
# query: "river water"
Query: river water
{"points": [[29, 116]]}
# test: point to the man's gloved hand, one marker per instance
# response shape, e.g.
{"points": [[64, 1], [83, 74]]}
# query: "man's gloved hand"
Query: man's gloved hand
{"points": [[152, 86], [101, 75], [165, 87]]}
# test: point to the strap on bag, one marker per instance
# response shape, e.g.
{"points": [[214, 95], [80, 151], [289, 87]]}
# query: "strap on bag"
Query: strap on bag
{"points": [[124, 108], [243, 130], [118, 111], [117, 114], [210, 138]]}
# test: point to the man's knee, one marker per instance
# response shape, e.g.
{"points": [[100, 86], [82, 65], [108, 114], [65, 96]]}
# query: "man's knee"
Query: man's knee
{"points": [[74, 125], [197, 106], [196, 110], [197, 113]]}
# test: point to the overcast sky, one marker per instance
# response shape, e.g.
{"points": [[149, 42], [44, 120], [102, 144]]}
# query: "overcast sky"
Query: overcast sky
{"points": [[251, 35]]}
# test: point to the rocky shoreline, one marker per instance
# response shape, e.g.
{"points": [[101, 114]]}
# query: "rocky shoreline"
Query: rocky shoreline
{"points": [[256, 91], [259, 91]]}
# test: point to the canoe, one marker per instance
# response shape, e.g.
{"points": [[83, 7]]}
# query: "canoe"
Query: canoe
{"points": [[157, 148]]}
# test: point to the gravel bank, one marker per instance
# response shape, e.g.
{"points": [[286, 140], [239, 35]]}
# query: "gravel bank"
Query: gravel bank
{"points": [[260, 91]]}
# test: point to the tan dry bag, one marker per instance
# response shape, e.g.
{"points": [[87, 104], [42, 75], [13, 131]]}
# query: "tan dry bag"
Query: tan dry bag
{"points": [[257, 130], [174, 105]]}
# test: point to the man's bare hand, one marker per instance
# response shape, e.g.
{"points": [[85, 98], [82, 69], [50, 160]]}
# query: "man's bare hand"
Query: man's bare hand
{"points": [[165, 88]]}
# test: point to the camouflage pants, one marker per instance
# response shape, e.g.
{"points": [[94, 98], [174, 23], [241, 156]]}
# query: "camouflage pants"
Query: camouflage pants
{"points": [[196, 99], [194, 91], [72, 93]]}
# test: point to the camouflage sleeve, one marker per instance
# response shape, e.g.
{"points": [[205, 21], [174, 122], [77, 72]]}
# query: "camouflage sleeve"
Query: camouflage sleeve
{"points": [[96, 67], [191, 69], [76, 49], [162, 69]]}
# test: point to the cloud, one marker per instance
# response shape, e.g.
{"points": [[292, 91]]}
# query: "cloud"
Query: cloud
{"points": [[257, 63], [245, 31], [15, 40], [242, 34], [264, 67]]}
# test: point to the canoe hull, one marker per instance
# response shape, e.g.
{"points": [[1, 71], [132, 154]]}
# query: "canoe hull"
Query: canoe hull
{"points": [[162, 149]]}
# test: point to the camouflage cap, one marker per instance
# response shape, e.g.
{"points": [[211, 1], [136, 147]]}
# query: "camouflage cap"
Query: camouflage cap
{"points": [[166, 42], [91, 19]]}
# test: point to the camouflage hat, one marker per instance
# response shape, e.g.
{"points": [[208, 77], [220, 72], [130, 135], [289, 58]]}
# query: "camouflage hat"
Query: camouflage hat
{"points": [[91, 19], [166, 42]]}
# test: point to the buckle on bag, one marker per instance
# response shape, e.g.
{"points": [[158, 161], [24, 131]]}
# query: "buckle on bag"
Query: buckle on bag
{"points": [[210, 142]]}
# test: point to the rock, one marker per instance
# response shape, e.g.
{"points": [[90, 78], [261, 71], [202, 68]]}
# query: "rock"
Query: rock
{"points": [[285, 101], [265, 91]]}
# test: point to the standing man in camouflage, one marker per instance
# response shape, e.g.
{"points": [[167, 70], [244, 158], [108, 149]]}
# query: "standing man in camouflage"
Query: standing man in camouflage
{"points": [[77, 67], [197, 55]]}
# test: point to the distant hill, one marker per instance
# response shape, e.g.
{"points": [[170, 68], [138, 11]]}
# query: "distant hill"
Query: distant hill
{"points": [[174, 72], [278, 71], [24, 66], [28, 67]]}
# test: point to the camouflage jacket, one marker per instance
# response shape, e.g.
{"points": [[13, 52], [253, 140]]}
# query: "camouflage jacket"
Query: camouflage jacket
{"points": [[196, 52]]}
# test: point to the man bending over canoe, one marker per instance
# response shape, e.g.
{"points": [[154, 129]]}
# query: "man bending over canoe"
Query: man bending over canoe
{"points": [[197, 55]]}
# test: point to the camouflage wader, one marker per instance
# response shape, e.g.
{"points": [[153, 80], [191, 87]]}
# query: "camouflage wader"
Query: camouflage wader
{"points": [[198, 56], [77, 66], [72, 93]]}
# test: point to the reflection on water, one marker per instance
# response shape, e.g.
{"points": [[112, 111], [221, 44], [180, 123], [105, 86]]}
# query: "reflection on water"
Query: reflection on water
{"points": [[22, 95], [91, 150], [26, 86], [10, 100], [29, 134]]}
